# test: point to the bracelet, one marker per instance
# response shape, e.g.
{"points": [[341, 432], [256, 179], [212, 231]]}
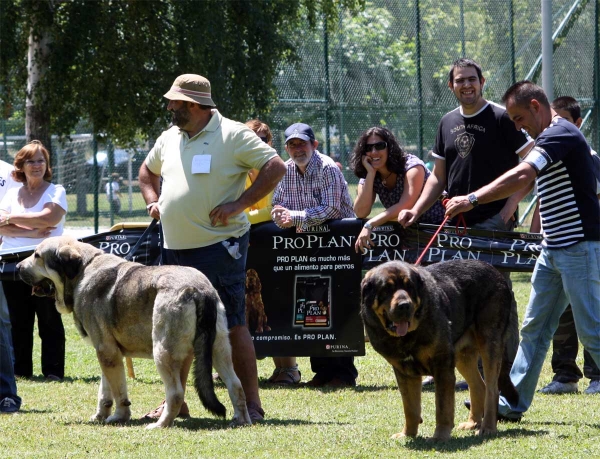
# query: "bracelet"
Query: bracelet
{"points": [[149, 206], [6, 221]]}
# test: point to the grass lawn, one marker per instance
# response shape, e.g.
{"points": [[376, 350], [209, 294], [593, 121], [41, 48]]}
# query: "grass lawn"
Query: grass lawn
{"points": [[300, 422]]}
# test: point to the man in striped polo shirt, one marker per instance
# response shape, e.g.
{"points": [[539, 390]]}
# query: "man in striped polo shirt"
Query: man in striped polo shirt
{"points": [[568, 267]]}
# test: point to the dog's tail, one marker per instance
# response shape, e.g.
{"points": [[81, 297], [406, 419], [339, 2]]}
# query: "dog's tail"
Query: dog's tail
{"points": [[206, 322], [507, 388]]}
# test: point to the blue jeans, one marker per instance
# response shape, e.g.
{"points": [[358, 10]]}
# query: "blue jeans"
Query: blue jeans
{"points": [[561, 276], [225, 272], [8, 386]]}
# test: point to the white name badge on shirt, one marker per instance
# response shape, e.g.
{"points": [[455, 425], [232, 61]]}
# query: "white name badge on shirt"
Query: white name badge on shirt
{"points": [[201, 164]]}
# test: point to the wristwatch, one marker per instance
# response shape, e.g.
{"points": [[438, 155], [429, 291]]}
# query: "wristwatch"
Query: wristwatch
{"points": [[368, 226], [473, 200]]}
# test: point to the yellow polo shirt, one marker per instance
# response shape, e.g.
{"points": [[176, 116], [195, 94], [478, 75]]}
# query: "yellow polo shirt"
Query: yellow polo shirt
{"points": [[227, 149]]}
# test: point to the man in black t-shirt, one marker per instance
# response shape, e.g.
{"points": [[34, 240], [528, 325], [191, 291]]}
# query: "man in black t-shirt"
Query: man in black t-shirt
{"points": [[568, 266], [476, 143]]}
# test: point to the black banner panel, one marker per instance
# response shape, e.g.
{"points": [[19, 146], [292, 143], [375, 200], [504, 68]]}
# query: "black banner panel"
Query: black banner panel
{"points": [[303, 288], [310, 290]]}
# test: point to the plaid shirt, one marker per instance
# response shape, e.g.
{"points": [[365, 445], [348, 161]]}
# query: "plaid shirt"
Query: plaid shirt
{"points": [[320, 194]]}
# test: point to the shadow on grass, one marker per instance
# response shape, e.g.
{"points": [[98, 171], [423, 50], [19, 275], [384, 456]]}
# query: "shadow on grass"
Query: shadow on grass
{"points": [[359, 388], [566, 423], [218, 424], [264, 385], [464, 443]]}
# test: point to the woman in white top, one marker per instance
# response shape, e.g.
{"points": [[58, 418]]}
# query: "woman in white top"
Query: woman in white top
{"points": [[28, 215]]}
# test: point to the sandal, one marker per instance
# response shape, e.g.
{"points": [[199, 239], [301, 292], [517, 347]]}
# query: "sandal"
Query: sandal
{"points": [[273, 377], [288, 376], [256, 413]]}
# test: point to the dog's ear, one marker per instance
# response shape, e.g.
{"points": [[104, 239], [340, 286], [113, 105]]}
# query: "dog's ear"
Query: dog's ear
{"points": [[368, 289], [258, 284], [68, 261], [416, 278]]}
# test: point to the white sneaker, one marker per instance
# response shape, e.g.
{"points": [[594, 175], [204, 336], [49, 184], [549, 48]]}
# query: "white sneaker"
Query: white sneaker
{"points": [[593, 388], [556, 387], [427, 381]]}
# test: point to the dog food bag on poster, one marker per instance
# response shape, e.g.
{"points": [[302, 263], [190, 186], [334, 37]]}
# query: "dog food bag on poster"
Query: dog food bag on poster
{"points": [[317, 302], [300, 305]]}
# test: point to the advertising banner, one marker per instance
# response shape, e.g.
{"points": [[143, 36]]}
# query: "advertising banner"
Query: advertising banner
{"points": [[119, 242], [303, 288], [505, 250], [309, 290]]}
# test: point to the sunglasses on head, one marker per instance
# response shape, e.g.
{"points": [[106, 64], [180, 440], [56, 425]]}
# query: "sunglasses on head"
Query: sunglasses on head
{"points": [[377, 145], [264, 139]]}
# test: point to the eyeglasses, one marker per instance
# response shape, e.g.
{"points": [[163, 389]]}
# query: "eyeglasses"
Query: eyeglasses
{"points": [[377, 145], [264, 139], [31, 162]]}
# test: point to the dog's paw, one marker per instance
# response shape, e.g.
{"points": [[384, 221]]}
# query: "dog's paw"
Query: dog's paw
{"points": [[117, 419], [440, 434], [237, 422], [469, 425], [487, 432], [158, 425], [98, 417]]}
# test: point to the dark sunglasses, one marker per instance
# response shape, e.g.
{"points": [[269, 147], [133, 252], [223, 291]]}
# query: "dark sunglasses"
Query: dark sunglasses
{"points": [[378, 146], [264, 139]]}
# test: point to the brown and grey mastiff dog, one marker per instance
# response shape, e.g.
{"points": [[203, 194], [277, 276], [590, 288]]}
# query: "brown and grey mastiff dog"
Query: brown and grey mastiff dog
{"points": [[125, 309], [427, 321]]}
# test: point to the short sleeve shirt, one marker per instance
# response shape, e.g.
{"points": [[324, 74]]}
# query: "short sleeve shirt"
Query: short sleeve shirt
{"points": [[478, 149], [569, 207], [228, 150], [435, 214], [10, 204]]}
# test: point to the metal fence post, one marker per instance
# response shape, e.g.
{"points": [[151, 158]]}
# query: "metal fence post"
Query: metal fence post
{"points": [[419, 82], [327, 95], [95, 182]]}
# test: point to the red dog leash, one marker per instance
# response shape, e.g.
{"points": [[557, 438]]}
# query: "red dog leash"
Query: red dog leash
{"points": [[460, 231]]}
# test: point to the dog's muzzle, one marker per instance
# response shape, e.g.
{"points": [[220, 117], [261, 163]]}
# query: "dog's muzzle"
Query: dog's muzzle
{"points": [[44, 288]]}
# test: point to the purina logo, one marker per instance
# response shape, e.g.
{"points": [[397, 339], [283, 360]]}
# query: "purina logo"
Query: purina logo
{"points": [[118, 237], [530, 236], [383, 228], [316, 229], [336, 346]]}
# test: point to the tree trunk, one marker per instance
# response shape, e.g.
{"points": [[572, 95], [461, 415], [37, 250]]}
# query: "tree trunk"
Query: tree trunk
{"points": [[37, 119]]}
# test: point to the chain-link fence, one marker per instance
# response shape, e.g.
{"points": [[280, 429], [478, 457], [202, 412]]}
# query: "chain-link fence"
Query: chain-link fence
{"points": [[387, 66]]}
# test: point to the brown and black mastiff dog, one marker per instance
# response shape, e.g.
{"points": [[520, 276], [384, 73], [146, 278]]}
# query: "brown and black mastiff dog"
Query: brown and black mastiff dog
{"points": [[427, 321], [125, 309]]}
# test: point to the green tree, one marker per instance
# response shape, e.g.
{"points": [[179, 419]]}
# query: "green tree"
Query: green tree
{"points": [[109, 61]]}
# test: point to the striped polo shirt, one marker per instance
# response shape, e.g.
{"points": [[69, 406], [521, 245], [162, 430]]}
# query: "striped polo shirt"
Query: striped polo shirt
{"points": [[569, 206]]}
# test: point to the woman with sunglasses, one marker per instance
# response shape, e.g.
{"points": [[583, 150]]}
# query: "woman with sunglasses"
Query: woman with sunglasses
{"points": [[396, 177], [28, 215]]}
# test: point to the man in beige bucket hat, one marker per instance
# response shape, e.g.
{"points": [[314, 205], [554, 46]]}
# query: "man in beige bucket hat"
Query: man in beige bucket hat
{"points": [[203, 160], [191, 88]]}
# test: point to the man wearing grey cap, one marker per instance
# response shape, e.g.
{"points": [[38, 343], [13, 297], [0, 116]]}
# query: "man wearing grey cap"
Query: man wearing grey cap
{"points": [[203, 160], [312, 191]]}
